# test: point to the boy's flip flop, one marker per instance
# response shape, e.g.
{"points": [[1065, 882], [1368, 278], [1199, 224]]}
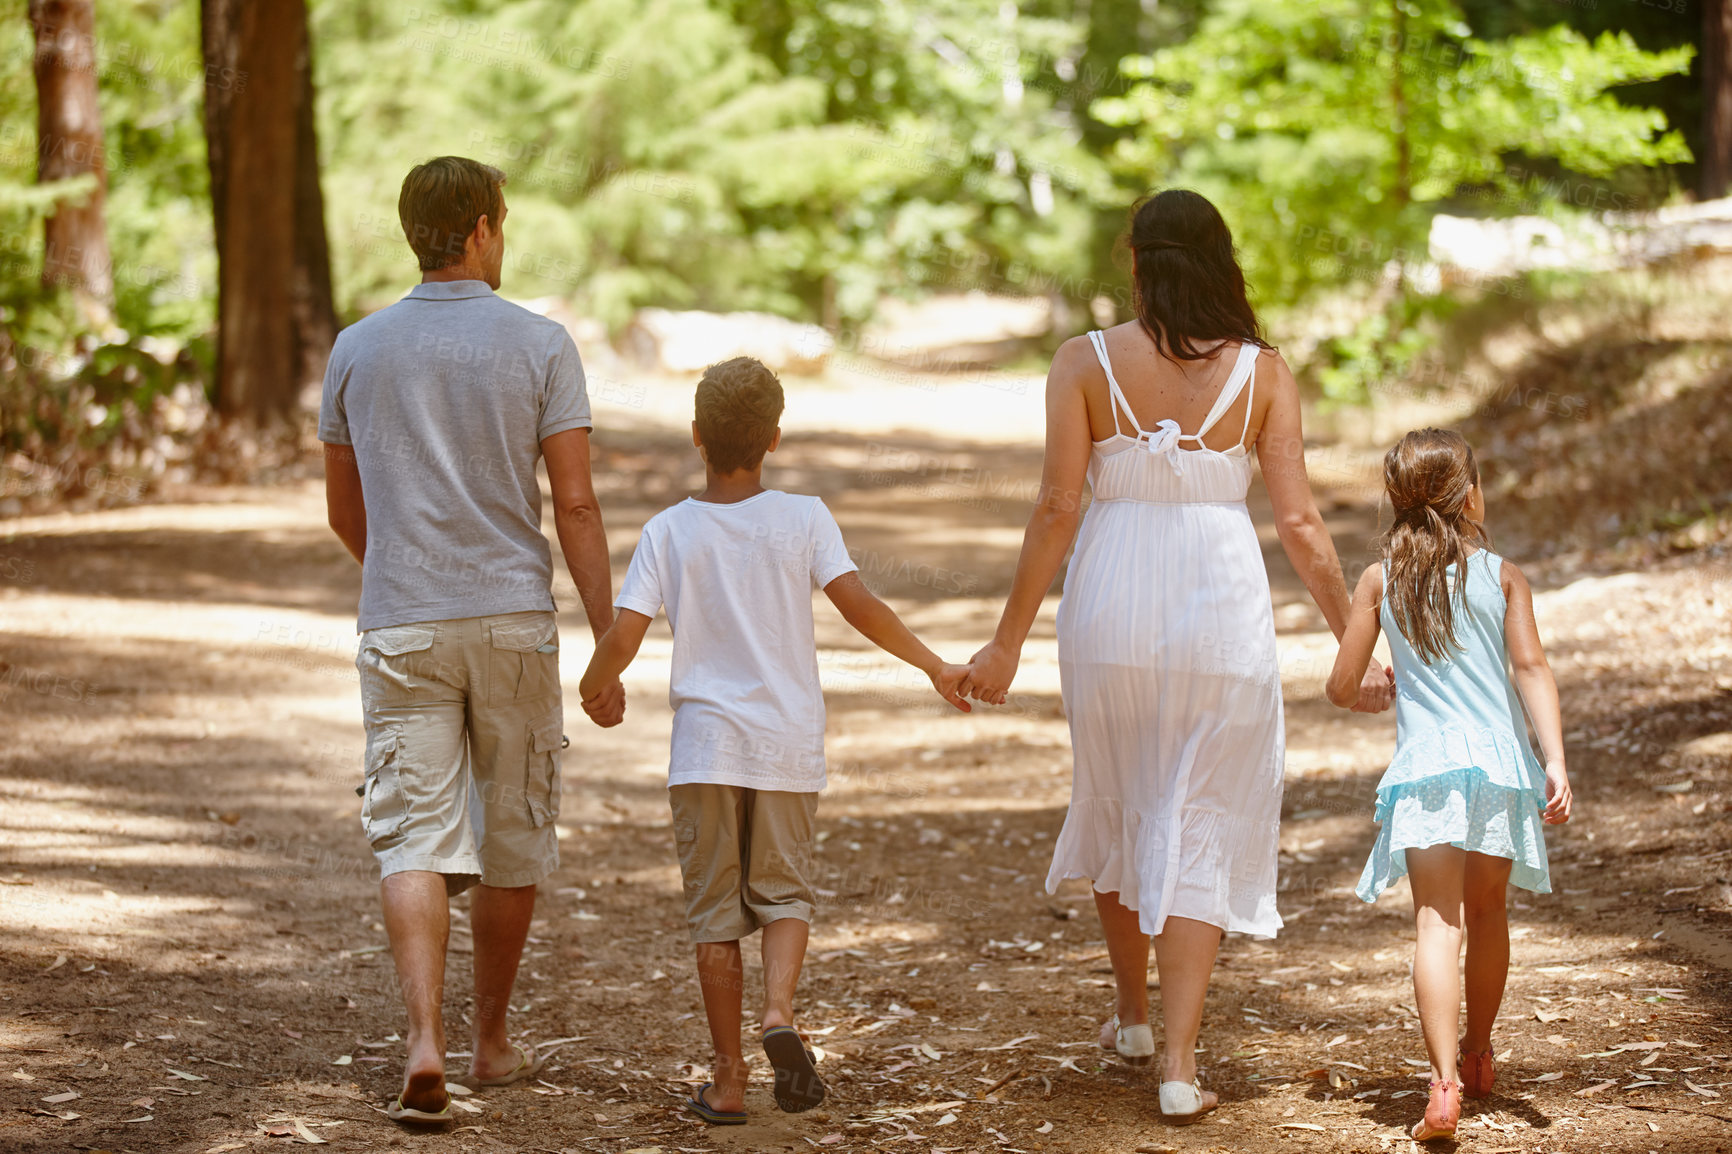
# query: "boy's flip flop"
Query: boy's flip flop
{"points": [[798, 1086], [529, 1064], [398, 1112], [710, 1114]]}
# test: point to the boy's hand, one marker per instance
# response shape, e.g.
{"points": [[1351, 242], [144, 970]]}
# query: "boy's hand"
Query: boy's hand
{"points": [[948, 681], [1558, 795], [607, 707]]}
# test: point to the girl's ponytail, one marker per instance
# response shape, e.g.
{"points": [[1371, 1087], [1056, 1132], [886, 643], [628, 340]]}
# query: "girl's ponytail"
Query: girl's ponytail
{"points": [[1428, 476]]}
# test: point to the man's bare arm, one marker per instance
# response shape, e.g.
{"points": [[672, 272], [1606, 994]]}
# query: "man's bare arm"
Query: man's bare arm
{"points": [[345, 507], [577, 518]]}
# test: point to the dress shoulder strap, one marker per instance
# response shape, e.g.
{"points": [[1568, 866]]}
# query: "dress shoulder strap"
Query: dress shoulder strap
{"points": [[1242, 372], [1099, 341]]}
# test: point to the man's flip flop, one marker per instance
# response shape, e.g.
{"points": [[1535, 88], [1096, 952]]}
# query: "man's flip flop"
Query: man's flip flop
{"points": [[401, 1113], [529, 1064], [798, 1086], [710, 1114]]}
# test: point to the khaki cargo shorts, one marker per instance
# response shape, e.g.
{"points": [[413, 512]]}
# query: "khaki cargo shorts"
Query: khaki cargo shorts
{"points": [[745, 857], [464, 731]]}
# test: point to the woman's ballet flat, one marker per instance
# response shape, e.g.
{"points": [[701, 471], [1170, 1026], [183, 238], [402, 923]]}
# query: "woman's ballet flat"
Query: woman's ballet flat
{"points": [[1478, 1073], [1183, 1103], [1442, 1112], [1135, 1045]]}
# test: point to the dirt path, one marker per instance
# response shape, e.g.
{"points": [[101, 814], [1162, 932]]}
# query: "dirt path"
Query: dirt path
{"points": [[189, 933]]}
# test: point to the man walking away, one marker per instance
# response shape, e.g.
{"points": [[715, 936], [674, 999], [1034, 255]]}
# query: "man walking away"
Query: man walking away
{"points": [[434, 414]]}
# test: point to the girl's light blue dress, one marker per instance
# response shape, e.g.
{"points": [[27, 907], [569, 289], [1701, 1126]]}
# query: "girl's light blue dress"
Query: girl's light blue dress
{"points": [[1463, 773]]}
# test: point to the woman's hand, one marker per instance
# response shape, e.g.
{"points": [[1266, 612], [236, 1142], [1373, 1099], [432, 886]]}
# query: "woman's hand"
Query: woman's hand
{"points": [[1376, 689], [1558, 794], [991, 672]]}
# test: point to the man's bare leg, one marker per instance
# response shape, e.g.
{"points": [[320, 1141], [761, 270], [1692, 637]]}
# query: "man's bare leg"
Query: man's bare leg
{"points": [[500, 920], [418, 922]]}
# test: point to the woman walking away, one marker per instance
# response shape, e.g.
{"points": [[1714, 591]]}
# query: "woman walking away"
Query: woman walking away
{"points": [[1462, 803], [1166, 633]]}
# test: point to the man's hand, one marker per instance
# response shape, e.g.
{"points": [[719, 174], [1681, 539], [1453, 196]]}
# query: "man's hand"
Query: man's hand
{"points": [[1376, 690], [607, 707]]}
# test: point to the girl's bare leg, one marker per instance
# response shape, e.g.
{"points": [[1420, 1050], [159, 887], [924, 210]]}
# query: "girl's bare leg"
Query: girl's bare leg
{"points": [[1437, 874], [1486, 920]]}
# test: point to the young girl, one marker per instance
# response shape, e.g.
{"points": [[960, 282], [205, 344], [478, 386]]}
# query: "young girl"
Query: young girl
{"points": [[1462, 801]]}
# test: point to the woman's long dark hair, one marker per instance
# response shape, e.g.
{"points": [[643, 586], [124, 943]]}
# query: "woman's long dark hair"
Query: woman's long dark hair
{"points": [[1187, 282], [1429, 475]]}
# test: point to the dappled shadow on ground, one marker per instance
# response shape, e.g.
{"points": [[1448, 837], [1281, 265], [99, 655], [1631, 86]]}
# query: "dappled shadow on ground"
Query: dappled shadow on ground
{"points": [[186, 836], [1608, 445]]}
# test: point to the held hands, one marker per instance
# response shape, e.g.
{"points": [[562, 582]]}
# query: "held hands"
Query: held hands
{"points": [[1558, 795], [606, 707], [990, 673], [1376, 689], [948, 680]]}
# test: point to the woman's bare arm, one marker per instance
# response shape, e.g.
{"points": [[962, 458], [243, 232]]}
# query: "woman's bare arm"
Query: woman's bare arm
{"points": [[1051, 527], [1298, 524]]}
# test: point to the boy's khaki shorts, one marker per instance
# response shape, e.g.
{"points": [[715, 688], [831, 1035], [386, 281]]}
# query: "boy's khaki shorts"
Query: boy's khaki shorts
{"points": [[464, 731], [745, 857]]}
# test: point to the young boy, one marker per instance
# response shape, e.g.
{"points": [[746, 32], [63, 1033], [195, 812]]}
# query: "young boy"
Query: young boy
{"points": [[735, 567]]}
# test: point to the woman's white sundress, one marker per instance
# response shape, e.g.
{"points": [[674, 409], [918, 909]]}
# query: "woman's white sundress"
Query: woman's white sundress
{"points": [[1166, 643]]}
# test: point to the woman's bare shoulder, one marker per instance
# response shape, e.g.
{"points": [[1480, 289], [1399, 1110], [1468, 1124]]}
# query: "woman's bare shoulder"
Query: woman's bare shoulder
{"points": [[1075, 361]]}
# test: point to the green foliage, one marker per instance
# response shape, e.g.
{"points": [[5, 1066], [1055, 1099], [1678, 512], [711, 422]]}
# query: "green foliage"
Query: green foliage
{"points": [[1331, 130], [68, 394], [809, 156], [1385, 345], [794, 156]]}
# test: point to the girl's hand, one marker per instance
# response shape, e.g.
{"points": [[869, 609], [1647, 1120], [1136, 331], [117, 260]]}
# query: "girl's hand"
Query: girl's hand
{"points": [[991, 672], [1558, 795], [949, 680], [1376, 689]]}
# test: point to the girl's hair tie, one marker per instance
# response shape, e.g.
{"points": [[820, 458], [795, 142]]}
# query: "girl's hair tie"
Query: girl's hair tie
{"points": [[1159, 242]]}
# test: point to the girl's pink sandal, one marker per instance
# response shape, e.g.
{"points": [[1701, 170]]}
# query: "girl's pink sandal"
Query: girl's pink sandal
{"points": [[1442, 1112], [1478, 1073]]}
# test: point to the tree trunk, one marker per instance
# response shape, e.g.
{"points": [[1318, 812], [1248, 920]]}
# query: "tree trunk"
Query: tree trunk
{"points": [[69, 144], [1714, 165], [1398, 100], [315, 310], [275, 319]]}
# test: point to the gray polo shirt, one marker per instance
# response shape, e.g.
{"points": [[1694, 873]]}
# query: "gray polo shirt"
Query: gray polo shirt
{"points": [[446, 397]]}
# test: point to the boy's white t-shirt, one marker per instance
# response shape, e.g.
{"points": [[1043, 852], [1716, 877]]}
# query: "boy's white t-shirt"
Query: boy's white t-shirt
{"points": [[737, 582]]}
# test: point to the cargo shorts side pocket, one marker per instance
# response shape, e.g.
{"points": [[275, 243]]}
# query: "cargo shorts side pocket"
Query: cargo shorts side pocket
{"points": [[522, 660], [394, 662], [384, 809], [541, 775]]}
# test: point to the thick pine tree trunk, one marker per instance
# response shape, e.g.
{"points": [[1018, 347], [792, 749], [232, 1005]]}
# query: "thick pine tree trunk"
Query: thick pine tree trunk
{"points": [[69, 144], [275, 319], [1714, 165]]}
